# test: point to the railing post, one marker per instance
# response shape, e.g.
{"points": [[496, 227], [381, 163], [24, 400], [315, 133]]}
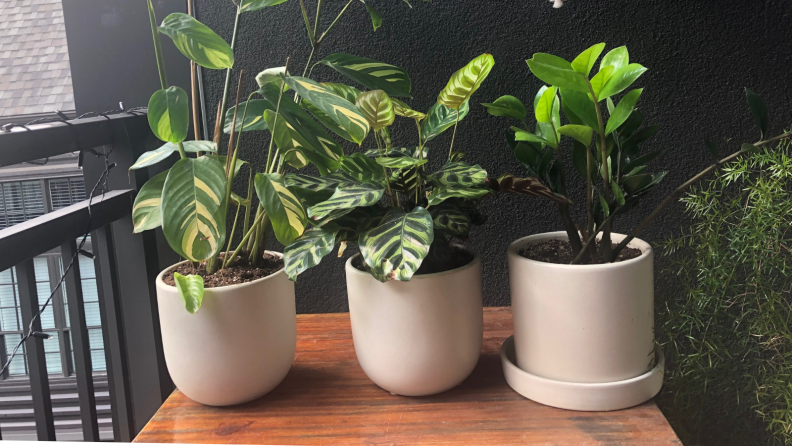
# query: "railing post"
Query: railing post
{"points": [[37, 362]]}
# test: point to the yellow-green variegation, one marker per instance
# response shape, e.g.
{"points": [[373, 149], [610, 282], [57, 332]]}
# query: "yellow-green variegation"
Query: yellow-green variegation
{"points": [[362, 168], [347, 196], [146, 210], [399, 162], [197, 41], [154, 156], [459, 174], [466, 81], [169, 115], [440, 194], [449, 218], [193, 208], [284, 209], [308, 250], [402, 109], [191, 290], [377, 108], [440, 118], [345, 91], [371, 74], [396, 247]]}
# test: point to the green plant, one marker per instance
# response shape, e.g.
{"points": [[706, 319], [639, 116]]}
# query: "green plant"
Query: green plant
{"points": [[727, 328], [613, 167], [424, 211]]}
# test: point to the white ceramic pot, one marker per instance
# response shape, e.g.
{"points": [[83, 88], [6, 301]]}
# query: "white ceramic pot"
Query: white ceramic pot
{"points": [[583, 323], [237, 347], [419, 337]]}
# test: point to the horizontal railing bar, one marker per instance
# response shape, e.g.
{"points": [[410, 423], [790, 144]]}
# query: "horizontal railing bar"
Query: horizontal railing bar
{"points": [[33, 237], [18, 144]]}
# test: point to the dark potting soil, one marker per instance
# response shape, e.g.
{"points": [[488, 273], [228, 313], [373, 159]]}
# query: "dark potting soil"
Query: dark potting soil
{"points": [[459, 258], [560, 251], [239, 271]]}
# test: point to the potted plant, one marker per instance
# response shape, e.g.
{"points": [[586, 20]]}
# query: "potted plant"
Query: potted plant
{"points": [[414, 293], [241, 343], [582, 298]]}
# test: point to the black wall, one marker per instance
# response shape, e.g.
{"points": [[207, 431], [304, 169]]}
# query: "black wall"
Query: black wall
{"points": [[700, 55]]}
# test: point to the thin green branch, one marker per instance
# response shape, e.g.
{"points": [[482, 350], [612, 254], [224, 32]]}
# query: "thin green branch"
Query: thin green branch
{"points": [[453, 137], [311, 36], [334, 21]]}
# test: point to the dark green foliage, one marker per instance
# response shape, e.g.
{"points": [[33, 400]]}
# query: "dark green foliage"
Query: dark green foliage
{"points": [[727, 328]]}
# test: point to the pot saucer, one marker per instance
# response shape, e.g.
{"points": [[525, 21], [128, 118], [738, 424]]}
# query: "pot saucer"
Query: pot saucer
{"points": [[581, 396]]}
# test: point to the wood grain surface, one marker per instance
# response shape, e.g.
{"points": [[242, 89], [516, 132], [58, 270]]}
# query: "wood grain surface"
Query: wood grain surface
{"points": [[327, 399]]}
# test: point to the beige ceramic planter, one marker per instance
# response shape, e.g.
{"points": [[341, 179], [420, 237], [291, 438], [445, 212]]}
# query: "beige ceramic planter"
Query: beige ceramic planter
{"points": [[237, 347], [419, 337]]}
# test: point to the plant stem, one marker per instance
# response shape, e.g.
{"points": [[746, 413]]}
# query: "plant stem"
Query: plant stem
{"points": [[569, 227], [233, 229], [679, 190], [227, 259], [591, 238], [334, 21], [268, 166], [227, 85], [311, 36], [250, 201], [606, 178], [155, 34], [310, 58], [419, 186], [233, 125], [453, 137], [318, 15], [384, 169]]}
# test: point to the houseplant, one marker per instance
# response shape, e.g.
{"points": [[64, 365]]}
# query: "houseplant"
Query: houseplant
{"points": [[573, 328], [414, 295]]}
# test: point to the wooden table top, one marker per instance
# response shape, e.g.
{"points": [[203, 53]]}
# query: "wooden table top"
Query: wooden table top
{"points": [[326, 399]]}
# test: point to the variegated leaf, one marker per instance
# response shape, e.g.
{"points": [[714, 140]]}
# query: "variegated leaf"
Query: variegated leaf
{"points": [[146, 210], [191, 290], [440, 118], [451, 219], [253, 118], [362, 168], [385, 137], [347, 196], [312, 183], [307, 251], [526, 186], [169, 114], [326, 120], [466, 81], [402, 109], [396, 248], [440, 194], [197, 41], [193, 208], [291, 144], [459, 174], [371, 74], [284, 209], [360, 220], [405, 180], [345, 91], [154, 156], [377, 108], [397, 152], [342, 112], [399, 163]]}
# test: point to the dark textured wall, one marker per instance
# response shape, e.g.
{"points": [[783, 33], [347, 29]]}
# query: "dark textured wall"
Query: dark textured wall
{"points": [[700, 55]]}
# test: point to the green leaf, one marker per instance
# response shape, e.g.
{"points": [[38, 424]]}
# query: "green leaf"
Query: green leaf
{"points": [[522, 135], [398, 152], [749, 148], [341, 111], [617, 192], [600, 79], [402, 109], [146, 212], [347, 196], [362, 168], [585, 61], [544, 108], [406, 180], [255, 5], [604, 206], [621, 79], [545, 130], [254, 119], [639, 137], [169, 114], [616, 58], [271, 75], [552, 71], [459, 174], [640, 161], [371, 74], [307, 251], [193, 208], [396, 248], [526, 186], [440, 118], [284, 209], [623, 110], [155, 156], [345, 91], [713, 149], [580, 160], [758, 110], [449, 218], [580, 104], [376, 18], [440, 194], [580, 133], [611, 106], [377, 107], [311, 183], [290, 143], [400, 162], [196, 41], [635, 183], [466, 81], [191, 290], [506, 106]]}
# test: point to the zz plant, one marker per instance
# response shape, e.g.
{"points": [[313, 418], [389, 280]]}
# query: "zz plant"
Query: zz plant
{"points": [[606, 134]]}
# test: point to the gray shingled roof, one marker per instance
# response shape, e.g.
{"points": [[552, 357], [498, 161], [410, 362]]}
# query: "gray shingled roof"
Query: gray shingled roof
{"points": [[34, 59]]}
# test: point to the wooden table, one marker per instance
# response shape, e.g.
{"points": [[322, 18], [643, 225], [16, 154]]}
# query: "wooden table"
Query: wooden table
{"points": [[326, 399]]}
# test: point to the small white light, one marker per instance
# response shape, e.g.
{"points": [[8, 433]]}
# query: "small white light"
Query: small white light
{"points": [[557, 3]]}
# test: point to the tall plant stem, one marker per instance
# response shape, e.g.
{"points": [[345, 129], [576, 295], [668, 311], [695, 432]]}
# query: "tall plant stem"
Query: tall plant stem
{"points": [[194, 86], [579, 257], [270, 160], [233, 230], [419, 186], [233, 125], [384, 170], [250, 201], [343, 10], [681, 189], [453, 137], [227, 259], [311, 35], [606, 176], [227, 86]]}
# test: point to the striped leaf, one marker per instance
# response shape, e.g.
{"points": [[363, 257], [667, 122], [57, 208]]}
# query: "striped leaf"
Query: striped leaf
{"points": [[146, 210], [371, 74], [349, 93], [400, 162], [345, 91], [406, 180], [440, 194], [191, 290], [312, 183], [526, 186], [290, 143], [396, 248], [169, 115], [459, 174], [307, 251], [283, 207], [466, 81], [440, 118], [377, 108], [362, 168], [353, 224], [254, 118], [398, 152], [197, 41], [402, 109], [385, 137], [347, 196], [154, 156], [255, 5], [193, 208], [342, 112], [449, 218]]}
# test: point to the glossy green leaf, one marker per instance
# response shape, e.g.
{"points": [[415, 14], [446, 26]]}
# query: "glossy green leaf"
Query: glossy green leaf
{"points": [[617, 193], [400, 162], [639, 137], [312, 183], [440, 194], [440, 118], [169, 114], [580, 133], [621, 79], [146, 211], [376, 18], [552, 71], [307, 251], [255, 5], [506, 106], [347, 196], [604, 206], [371, 74], [191, 290], [599, 81], [616, 58], [284, 209], [155, 156], [522, 135], [398, 152], [377, 107], [193, 208], [345, 91], [545, 105], [611, 106], [758, 110], [466, 81], [580, 104], [623, 110], [526, 186], [196, 41], [271, 75], [450, 218], [459, 174], [254, 119], [290, 143], [585, 61], [396, 248], [402, 109], [580, 160], [361, 167]]}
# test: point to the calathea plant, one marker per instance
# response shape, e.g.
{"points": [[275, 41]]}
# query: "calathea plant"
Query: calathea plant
{"points": [[605, 146], [422, 211]]}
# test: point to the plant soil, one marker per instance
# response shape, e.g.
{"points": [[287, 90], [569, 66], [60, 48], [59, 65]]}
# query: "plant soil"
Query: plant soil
{"points": [[560, 251], [238, 272], [460, 257]]}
